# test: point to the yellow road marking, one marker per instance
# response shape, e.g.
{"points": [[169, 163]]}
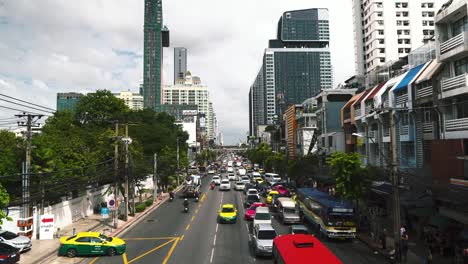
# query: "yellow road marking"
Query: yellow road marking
{"points": [[169, 254], [148, 238], [152, 250], [187, 228], [193, 217], [203, 197], [182, 237], [94, 260], [124, 256], [196, 211]]}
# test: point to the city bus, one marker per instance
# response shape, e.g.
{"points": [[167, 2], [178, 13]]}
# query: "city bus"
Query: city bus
{"points": [[334, 218], [301, 249]]}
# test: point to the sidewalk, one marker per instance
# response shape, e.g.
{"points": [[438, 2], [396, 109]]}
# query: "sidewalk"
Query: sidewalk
{"points": [[415, 251], [42, 250]]}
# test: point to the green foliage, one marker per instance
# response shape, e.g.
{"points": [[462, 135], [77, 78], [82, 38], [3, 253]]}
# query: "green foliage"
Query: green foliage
{"points": [[140, 207], [303, 168], [149, 202], [352, 180], [4, 200], [12, 153], [100, 108], [205, 156]]}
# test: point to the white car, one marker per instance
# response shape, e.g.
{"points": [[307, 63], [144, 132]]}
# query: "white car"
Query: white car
{"points": [[245, 179], [225, 185], [22, 243], [252, 191], [211, 171], [217, 180], [262, 216], [231, 176], [240, 186]]}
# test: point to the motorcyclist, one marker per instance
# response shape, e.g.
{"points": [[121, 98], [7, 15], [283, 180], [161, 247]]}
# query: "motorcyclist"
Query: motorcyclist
{"points": [[171, 194], [186, 203]]}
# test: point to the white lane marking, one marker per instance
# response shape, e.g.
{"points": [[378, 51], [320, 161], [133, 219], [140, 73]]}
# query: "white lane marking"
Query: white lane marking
{"points": [[217, 228], [247, 227], [214, 241], [212, 253]]}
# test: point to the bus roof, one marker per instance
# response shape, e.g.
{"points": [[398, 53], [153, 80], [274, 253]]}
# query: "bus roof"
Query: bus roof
{"points": [[300, 248], [326, 200]]}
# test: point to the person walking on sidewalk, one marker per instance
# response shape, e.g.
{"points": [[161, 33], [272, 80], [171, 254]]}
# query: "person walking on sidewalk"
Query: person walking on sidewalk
{"points": [[404, 246], [428, 258], [383, 239]]}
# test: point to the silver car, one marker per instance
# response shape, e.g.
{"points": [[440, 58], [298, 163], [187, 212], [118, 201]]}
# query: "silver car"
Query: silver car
{"points": [[262, 239], [225, 185], [22, 243]]}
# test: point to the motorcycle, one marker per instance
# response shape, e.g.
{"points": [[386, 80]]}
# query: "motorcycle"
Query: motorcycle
{"points": [[196, 199], [212, 186], [185, 209]]}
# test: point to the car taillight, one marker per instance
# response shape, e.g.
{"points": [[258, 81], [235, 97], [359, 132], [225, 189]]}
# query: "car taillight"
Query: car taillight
{"points": [[3, 256], [465, 252]]}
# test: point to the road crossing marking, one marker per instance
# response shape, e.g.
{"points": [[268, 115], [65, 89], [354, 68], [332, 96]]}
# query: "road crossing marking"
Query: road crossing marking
{"points": [[124, 257], [187, 228], [169, 254]]}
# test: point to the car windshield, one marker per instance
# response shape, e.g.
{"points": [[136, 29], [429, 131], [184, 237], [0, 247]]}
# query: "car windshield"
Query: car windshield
{"points": [[289, 210], [300, 231], [266, 234], [70, 238], [228, 210], [262, 216], [224, 181], [215, 178], [341, 220], [8, 235], [106, 238], [239, 183], [253, 198]]}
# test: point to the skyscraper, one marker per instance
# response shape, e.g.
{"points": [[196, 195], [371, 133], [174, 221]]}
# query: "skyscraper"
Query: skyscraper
{"points": [[296, 65], [152, 60], [386, 31], [180, 63]]}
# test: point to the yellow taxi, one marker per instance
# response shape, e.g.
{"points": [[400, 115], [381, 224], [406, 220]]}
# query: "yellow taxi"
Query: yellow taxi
{"points": [[269, 197], [258, 179], [261, 171], [227, 214], [90, 243]]}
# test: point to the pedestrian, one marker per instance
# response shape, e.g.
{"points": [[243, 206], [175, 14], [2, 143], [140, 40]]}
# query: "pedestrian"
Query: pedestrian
{"points": [[404, 246], [383, 239], [428, 259]]}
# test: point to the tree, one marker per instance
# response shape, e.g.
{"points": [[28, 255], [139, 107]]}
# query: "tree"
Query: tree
{"points": [[4, 200], [12, 149], [352, 180], [100, 108]]}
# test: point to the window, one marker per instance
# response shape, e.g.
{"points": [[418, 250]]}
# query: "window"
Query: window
{"points": [[461, 66], [330, 141], [381, 41], [381, 32], [427, 116], [95, 240], [83, 240], [459, 26]]}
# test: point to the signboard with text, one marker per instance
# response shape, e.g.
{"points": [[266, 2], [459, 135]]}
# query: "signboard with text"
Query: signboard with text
{"points": [[46, 226], [189, 112]]}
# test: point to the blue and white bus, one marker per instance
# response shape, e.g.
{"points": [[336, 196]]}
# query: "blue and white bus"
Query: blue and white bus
{"points": [[333, 217]]}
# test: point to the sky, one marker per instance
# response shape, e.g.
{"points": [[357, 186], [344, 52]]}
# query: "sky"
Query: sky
{"points": [[52, 46]]}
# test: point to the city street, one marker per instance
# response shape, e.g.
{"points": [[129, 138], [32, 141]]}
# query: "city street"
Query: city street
{"points": [[168, 235]]}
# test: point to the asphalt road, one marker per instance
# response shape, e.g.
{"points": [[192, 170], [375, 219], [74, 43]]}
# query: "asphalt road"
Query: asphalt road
{"points": [[168, 235]]}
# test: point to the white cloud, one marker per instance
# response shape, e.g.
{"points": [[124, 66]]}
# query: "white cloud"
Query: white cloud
{"points": [[75, 45]]}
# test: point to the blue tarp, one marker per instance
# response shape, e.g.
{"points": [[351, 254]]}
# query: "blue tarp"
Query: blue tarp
{"points": [[410, 77]]}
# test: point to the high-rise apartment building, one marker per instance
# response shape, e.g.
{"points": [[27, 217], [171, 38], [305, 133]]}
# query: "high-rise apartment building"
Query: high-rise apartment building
{"points": [[180, 63], [385, 31], [152, 57], [296, 65], [191, 92], [134, 101]]}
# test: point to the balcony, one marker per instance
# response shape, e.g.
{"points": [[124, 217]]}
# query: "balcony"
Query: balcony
{"points": [[424, 92], [402, 100], [372, 136], [454, 86], [427, 127], [404, 130], [456, 124], [357, 112], [454, 48]]}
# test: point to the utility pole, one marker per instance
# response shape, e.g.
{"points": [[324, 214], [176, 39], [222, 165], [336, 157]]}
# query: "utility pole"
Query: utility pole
{"points": [[26, 199], [116, 175], [126, 172], [396, 191], [177, 161], [155, 177]]}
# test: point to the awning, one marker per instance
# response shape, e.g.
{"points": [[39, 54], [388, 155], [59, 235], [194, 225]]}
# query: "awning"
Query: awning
{"points": [[430, 70], [389, 84], [375, 91], [409, 78], [363, 96]]}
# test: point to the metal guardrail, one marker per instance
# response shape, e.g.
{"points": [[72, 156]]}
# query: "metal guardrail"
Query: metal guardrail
{"points": [[402, 99], [456, 124], [427, 127], [423, 92], [452, 43], [454, 82], [404, 130]]}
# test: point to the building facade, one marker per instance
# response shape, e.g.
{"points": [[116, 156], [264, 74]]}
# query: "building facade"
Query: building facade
{"points": [[134, 101], [191, 92], [386, 31], [152, 54], [68, 101], [295, 66], [180, 63]]}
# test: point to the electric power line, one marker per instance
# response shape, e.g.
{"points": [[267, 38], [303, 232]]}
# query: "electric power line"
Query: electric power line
{"points": [[27, 102]]}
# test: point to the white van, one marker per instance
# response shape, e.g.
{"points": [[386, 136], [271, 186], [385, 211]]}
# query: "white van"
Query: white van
{"points": [[287, 210], [271, 178], [262, 216]]}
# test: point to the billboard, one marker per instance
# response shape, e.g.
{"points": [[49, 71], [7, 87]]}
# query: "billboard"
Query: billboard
{"points": [[189, 112]]}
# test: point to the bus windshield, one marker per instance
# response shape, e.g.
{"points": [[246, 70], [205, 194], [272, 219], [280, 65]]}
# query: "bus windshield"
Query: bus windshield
{"points": [[341, 220]]}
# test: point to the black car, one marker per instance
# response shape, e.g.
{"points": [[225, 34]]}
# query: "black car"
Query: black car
{"points": [[250, 199], [8, 254]]}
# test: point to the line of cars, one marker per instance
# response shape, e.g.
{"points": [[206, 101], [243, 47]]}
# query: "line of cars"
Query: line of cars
{"points": [[11, 245]]}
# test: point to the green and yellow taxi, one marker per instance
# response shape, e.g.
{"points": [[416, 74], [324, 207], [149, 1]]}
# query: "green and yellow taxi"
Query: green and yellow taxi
{"points": [[91, 243], [261, 171], [269, 197], [227, 214]]}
